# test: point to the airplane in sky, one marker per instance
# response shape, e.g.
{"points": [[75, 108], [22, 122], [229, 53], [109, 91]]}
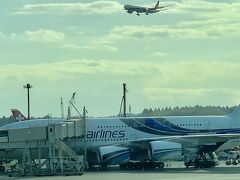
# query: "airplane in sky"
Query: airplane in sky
{"points": [[139, 9], [143, 142]]}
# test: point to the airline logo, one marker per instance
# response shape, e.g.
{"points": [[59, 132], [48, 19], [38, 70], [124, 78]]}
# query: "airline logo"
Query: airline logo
{"points": [[105, 134]]}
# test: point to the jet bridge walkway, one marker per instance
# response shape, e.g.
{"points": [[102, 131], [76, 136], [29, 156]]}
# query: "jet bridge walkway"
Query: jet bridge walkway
{"points": [[42, 150]]}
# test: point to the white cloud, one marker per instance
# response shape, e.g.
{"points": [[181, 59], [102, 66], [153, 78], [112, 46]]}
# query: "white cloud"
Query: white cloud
{"points": [[161, 84], [220, 12], [203, 7], [72, 46], [152, 32], [192, 96], [101, 47], [216, 19], [184, 30], [159, 54], [45, 35], [1, 34], [91, 47], [5, 36], [96, 7], [179, 74]]}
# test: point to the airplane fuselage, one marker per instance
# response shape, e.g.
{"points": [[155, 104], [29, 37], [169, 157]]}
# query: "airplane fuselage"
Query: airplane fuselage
{"points": [[108, 131], [115, 130], [130, 9]]}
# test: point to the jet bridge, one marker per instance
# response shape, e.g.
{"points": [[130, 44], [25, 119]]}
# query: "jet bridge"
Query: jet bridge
{"points": [[41, 150]]}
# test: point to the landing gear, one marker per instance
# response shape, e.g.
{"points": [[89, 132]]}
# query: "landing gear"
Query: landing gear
{"points": [[2, 168], [207, 160], [142, 165], [161, 165], [103, 167], [203, 160], [232, 161]]}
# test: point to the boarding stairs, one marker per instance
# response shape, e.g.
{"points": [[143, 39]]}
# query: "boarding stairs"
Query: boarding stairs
{"points": [[63, 160]]}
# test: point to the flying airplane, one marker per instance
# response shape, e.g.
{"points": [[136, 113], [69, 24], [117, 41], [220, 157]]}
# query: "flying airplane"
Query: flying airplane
{"points": [[146, 142], [139, 9]]}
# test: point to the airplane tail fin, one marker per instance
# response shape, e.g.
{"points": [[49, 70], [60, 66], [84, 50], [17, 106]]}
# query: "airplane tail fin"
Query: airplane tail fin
{"points": [[157, 5], [235, 113], [17, 115]]}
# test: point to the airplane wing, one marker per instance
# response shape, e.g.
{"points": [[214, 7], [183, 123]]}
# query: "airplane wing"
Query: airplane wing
{"points": [[161, 8], [186, 141], [169, 5]]}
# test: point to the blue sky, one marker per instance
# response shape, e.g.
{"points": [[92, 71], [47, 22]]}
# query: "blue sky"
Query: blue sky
{"points": [[186, 55]]}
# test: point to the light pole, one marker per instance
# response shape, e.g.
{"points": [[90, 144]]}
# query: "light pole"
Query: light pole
{"points": [[124, 100], [28, 87]]}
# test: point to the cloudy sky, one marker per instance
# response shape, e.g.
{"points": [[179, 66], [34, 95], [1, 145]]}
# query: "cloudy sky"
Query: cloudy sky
{"points": [[186, 55]]}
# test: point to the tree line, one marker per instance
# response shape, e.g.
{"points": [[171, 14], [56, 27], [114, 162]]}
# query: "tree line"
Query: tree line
{"points": [[169, 111], [188, 111]]}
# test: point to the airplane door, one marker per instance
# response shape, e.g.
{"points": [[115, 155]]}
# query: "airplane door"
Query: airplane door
{"points": [[207, 125], [51, 133]]}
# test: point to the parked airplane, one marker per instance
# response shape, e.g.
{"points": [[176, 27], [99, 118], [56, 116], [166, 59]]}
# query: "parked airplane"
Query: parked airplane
{"points": [[17, 115], [137, 142], [139, 9]]}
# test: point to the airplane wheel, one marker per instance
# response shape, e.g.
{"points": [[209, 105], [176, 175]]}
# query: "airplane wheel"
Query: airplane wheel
{"points": [[139, 165], [90, 167], [234, 163], [103, 167], [2, 169], [124, 166], [161, 165], [149, 165]]}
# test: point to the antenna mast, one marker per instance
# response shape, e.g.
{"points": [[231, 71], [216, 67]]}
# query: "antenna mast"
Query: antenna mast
{"points": [[62, 110]]}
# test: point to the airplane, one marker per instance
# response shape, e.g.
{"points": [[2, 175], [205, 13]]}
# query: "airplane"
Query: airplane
{"points": [[146, 142], [17, 115], [139, 9]]}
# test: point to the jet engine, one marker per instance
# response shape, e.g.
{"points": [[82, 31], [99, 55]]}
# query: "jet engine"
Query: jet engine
{"points": [[112, 155], [130, 12], [164, 150]]}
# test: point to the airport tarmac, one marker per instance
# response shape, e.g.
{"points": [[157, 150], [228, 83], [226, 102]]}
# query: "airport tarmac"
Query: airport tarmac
{"points": [[174, 172]]}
